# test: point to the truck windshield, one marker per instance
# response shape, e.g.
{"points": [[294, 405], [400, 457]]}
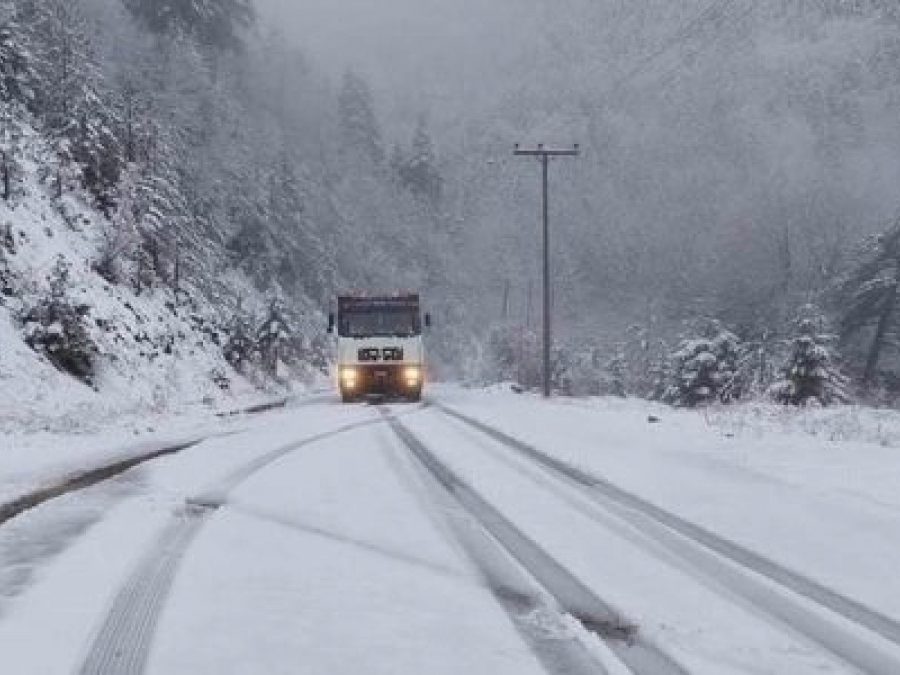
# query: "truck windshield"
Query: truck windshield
{"points": [[381, 322]]}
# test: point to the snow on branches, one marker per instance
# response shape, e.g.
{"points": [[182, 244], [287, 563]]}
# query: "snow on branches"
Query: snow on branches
{"points": [[811, 373], [706, 369], [55, 327]]}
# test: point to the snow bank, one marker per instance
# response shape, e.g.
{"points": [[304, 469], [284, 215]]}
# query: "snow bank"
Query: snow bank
{"points": [[156, 355]]}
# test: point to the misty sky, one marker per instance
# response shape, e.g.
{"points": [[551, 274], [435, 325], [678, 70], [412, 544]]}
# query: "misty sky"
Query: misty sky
{"points": [[417, 52]]}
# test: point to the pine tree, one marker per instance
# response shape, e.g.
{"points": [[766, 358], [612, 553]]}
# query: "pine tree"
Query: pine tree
{"points": [[240, 346], [16, 93], [868, 296], [10, 140], [55, 327], [118, 235], [360, 134], [616, 371], [159, 207], [305, 259], [418, 172], [215, 24], [70, 98], [273, 338], [811, 373], [16, 61], [706, 369]]}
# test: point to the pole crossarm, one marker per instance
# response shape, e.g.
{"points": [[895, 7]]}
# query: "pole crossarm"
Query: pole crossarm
{"points": [[545, 154], [541, 151]]}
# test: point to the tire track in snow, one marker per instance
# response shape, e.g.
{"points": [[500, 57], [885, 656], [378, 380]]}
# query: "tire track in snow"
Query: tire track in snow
{"points": [[82, 480], [535, 617], [86, 479], [122, 643], [705, 551], [571, 595]]}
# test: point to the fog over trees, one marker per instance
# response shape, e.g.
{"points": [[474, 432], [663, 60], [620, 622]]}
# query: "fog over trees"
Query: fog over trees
{"points": [[740, 174]]}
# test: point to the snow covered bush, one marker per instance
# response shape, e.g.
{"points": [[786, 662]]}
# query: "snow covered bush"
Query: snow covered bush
{"points": [[567, 375], [811, 373], [580, 370], [318, 356], [55, 327], [645, 357], [240, 346], [512, 354], [706, 369], [117, 238], [617, 373], [273, 340]]}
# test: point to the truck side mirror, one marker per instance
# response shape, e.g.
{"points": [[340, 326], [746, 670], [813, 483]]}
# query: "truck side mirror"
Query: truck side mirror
{"points": [[331, 323], [428, 321]]}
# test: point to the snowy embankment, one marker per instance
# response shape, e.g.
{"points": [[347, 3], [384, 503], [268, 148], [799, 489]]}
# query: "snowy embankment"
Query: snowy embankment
{"points": [[155, 355]]}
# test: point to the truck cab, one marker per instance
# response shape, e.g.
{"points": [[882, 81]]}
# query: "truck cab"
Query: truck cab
{"points": [[380, 349]]}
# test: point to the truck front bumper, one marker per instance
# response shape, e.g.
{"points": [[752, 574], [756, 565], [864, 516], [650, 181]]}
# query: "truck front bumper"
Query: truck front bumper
{"points": [[381, 379]]}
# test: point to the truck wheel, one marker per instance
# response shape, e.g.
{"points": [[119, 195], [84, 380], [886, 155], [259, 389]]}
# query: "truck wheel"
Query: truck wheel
{"points": [[347, 398], [415, 397]]}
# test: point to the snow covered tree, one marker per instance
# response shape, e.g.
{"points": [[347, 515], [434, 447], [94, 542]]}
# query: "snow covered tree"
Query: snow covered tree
{"points": [[868, 296], [70, 98], [7, 247], [215, 24], [319, 354], [811, 373], [512, 354], [16, 61], [10, 141], [306, 261], [706, 369], [16, 92], [358, 128], [616, 371], [144, 268], [646, 359], [564, 371], [151, 205], [118, 237], [240, 346], [418, 171], [55, 327], [273, 339], [760, 361]]}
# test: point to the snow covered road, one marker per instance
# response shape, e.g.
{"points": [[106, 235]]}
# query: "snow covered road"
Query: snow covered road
{"points": [[405, 539]]}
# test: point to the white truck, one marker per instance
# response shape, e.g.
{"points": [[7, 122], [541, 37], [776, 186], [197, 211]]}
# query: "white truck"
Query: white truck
{"points": [[380, 349]]}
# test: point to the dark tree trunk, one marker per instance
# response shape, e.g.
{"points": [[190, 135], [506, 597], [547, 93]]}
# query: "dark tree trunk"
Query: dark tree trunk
{"points": [[177, 275], [884, 322], [7, 189], [139, 281]]}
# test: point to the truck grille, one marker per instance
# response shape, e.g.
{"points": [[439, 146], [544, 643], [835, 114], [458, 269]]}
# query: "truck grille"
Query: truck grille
{"points": [[368, 355], [372, 354]]}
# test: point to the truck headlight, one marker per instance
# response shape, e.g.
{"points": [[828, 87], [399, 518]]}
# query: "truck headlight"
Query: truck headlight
{"points": [[348, 377], [412, 375]]}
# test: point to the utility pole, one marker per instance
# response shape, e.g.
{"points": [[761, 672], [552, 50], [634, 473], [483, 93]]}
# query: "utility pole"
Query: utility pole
{"points": [[545, 154]]}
